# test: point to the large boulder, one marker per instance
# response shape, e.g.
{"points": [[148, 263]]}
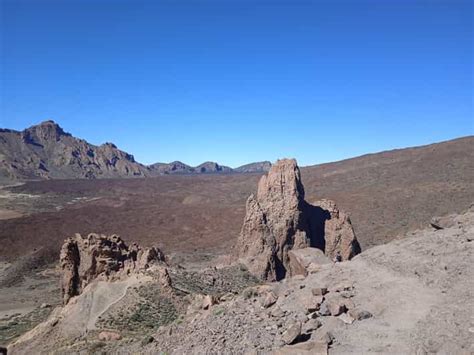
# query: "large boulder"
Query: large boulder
{"points": [[302, 261], [85, 259], [278, 219], [340, 242]]}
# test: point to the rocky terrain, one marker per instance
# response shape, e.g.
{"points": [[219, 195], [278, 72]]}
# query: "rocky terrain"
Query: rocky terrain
{"points": [[412, 295], [209, 167], [259, 167], [386, 195], [45, 151]]}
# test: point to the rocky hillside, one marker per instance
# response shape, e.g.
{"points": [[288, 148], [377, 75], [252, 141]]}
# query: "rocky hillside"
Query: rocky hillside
{"points": [[45, 151], [175, 167], [209, 167], [392, 192], [259, 167]]}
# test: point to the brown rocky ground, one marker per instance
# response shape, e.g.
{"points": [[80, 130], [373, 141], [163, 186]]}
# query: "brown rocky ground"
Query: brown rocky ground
{"points": [[412, 295], [386, 195], [196, 218]]}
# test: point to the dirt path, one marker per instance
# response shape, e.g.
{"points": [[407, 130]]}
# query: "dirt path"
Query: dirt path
{"points": [[81, 316]]}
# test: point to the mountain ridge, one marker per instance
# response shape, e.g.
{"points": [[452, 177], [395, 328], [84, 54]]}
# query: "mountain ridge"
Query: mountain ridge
{"points": [[46, 151]]}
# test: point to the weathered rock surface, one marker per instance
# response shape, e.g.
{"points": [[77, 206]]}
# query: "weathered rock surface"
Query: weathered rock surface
{"points": [[302, 261], [46, 151], [340, 240], [84, 259], [278, 220], [109, 336]]}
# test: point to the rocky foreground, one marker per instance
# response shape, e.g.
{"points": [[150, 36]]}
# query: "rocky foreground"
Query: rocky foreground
{"points": [[413, 295]]}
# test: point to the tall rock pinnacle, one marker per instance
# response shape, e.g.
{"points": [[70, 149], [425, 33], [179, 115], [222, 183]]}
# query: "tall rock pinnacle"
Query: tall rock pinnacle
{"points": [[278, 219]]}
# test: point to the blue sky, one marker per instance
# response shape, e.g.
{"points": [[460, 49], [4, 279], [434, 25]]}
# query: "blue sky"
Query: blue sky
{"points": [[236, 81]]}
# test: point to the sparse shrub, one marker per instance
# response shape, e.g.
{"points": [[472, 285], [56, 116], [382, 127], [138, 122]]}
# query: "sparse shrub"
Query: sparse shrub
{"points": [[218, 311]]}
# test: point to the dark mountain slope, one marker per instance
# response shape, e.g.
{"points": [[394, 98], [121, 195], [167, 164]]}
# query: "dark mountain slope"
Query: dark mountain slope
{"points": [[45, 151]]}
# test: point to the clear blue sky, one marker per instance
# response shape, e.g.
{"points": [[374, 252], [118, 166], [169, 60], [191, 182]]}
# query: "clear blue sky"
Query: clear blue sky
{"points": [[236, 81]]}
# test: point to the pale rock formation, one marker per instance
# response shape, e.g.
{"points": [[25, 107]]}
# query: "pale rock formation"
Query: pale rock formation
{"points": [[339, 236], [278, 219], [302, 261], [85, 259]]}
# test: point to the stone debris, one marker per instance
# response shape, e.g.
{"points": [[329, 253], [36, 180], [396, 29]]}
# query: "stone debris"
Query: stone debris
{"points": [[312, 304], [209, 301], [109, 336], [311, 325], [358, 314], [346, 318], [292, 333], [269, 299], [302, 261], [319, 291], [443, 222]]}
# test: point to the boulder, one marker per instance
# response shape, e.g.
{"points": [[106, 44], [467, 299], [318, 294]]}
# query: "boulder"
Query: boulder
{"points": [[208, 301], [279, 220], [109, 336], [346, 318], [336, 308], [324, 309], [359, 314], [312, 304], [97, 256], [336, 305], [443, 222], [269, 299], [319, 291], [302, 260], [340, 240], [292, 333], [311, 325]]}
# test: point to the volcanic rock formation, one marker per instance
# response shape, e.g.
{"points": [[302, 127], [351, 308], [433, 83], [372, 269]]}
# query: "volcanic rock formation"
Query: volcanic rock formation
{"points": [[84, 259], [46, 151], [278, 220], [340, 240]]}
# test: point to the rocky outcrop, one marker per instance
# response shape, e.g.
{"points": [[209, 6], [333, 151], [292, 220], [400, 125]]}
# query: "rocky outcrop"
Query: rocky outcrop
{"points": [[210, 167], [46, 151], [175, 167], [278, 219], [303, 261], [258, 167], [97, 256], [340, 240]]}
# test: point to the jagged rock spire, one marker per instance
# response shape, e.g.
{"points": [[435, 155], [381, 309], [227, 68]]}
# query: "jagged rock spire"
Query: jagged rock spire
{"points": [[278, 219]]}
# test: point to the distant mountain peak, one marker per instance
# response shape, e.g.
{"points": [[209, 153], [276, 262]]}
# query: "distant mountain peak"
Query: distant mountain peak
{"points": [[109, 144], [44, 131], [46, 151]]}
